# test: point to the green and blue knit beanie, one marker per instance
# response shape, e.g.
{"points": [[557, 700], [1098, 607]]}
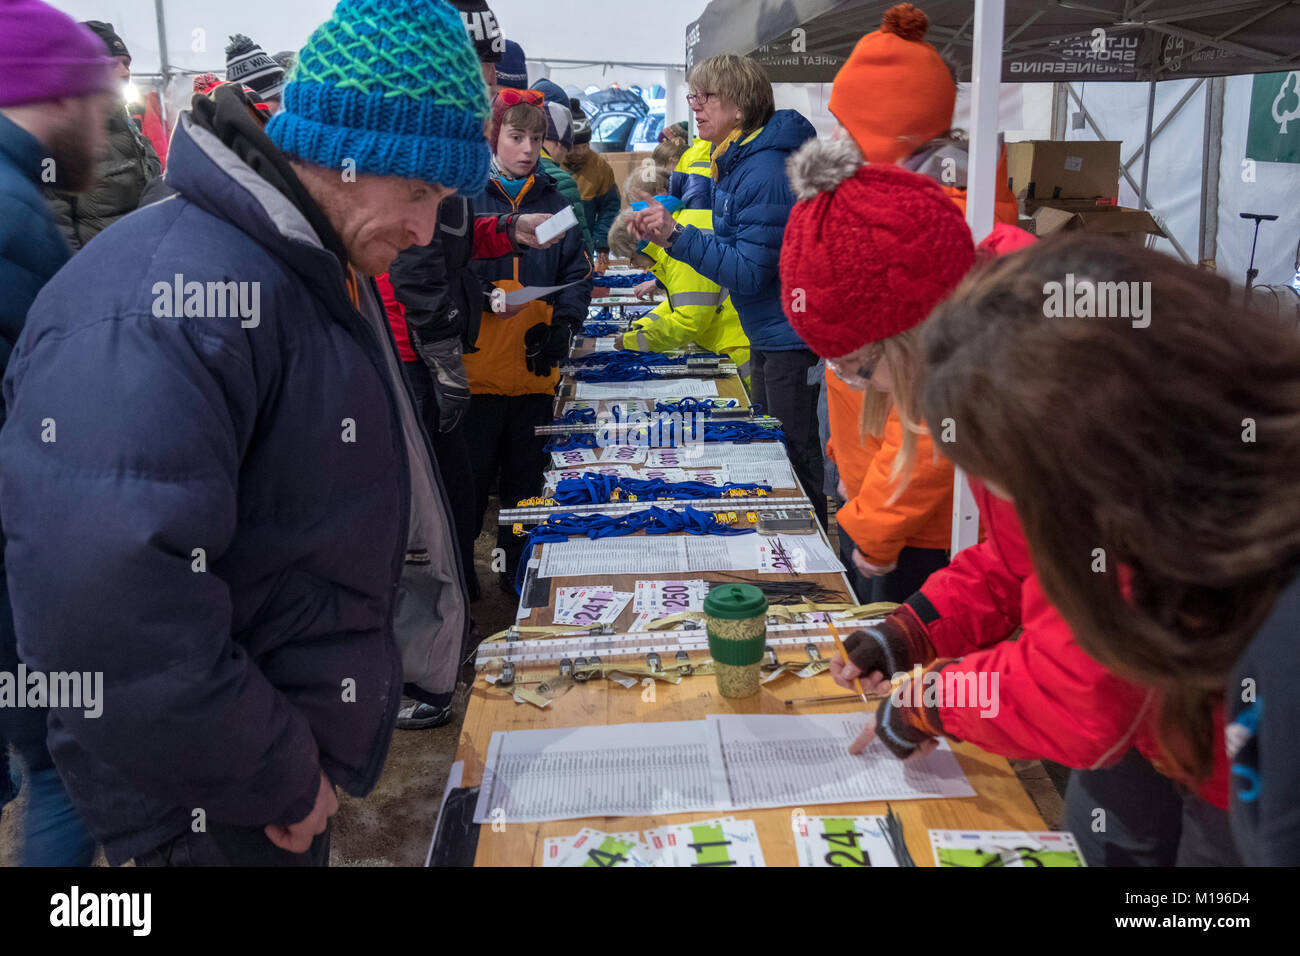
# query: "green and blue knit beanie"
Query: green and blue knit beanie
{"points": [[396, 87]]}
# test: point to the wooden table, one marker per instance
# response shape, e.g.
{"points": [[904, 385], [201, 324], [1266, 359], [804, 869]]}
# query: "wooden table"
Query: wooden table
{"points": [[1001, 803]]}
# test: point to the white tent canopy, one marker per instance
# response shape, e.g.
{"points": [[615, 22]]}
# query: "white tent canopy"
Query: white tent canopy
{"points": [[561, 38], [555, 30]]}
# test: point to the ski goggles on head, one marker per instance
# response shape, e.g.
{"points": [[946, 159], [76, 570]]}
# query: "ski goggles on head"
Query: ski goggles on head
{"points": [[512, 97], [856, 373]]}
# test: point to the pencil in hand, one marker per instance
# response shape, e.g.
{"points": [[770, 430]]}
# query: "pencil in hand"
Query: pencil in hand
{"points": [[857, 681]]}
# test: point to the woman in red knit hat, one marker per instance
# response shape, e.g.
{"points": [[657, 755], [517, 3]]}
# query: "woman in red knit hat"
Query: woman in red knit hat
{"points": [[869, 250]]}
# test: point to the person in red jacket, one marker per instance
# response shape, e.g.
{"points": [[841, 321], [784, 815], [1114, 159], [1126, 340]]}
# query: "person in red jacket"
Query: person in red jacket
{"points": [[1135, 798]]}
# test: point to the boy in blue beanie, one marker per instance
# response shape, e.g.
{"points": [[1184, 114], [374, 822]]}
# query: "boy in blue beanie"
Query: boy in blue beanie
{"points": [[278, 561]]}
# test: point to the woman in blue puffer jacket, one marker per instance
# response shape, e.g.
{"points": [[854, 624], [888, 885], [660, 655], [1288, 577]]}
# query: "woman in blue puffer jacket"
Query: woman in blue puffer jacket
{"points": [[732, 100]]}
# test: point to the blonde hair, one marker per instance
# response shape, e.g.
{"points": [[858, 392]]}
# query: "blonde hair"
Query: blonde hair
{"points": [[647, 178], [738, 80], [901, 355], [668, 152], [623, 245]]}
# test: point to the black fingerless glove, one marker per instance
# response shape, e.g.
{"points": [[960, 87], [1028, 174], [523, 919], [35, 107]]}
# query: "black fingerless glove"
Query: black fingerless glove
{"points": [[898, 643]]}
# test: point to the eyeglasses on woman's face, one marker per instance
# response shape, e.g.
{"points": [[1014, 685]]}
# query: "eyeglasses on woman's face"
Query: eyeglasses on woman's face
{"points": [[697, 100], [856, 371]]}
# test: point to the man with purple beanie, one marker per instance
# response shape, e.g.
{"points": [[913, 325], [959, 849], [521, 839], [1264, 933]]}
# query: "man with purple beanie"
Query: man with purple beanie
{"points": [[57, 90]]}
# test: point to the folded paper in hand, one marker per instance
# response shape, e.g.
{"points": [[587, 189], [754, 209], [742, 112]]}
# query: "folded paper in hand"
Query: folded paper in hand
{"points": [[530, 292], [562, 221]]}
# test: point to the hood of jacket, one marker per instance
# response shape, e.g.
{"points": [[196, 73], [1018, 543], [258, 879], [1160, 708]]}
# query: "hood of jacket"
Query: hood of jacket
{"points": [[263, 197], [785, 132], [943, 160]]}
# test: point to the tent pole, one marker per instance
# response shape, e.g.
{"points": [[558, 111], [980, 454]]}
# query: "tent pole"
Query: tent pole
{"points": [[161, 22], [1060, 110], [1146, 143], [1210, 157], [986, 78]]}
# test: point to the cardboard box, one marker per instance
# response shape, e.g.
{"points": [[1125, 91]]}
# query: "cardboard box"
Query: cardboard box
{"points": [[1113, 220], [1043, 169], [623, 165]]}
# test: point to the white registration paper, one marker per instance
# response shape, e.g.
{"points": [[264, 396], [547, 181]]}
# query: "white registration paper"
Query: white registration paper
{"points": [[623, 770], [649, 554], [796, 554], [713, 454], [723, 763], [774, 760], [773, 473], [661, 388]]}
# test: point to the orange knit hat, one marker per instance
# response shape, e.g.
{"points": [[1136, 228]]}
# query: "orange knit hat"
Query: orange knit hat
{"points": [[894, 94]]}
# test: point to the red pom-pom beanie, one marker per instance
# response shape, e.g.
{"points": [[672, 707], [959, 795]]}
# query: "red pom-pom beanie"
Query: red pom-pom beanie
{"points": [[869, 250]]}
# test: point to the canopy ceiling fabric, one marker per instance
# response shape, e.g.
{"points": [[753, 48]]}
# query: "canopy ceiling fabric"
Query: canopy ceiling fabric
{"points": [[1046, 40]]}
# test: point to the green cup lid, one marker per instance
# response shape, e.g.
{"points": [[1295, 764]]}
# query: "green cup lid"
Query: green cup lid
{"points": [[735, 602]]}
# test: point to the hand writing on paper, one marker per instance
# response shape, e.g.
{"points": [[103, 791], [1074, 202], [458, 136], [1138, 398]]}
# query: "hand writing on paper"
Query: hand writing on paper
{"points": [[297, 837], [869, 734], [868, 569]]}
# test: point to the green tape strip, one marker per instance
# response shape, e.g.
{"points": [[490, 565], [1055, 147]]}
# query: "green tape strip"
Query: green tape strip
{"points": [[740, 653]]}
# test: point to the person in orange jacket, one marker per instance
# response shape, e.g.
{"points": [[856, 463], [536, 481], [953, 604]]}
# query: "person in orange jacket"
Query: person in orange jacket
{"points": [[894, 100]]}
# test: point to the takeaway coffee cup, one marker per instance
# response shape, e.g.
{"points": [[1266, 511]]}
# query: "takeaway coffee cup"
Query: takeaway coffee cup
{"points": [[736, 618]]}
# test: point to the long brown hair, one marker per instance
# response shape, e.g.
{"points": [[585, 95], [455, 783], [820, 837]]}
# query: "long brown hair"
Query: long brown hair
{"points": [[1153, 466]]}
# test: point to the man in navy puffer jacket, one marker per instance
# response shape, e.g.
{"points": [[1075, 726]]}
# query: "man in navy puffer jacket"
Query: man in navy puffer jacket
{"points": [[217, 491]]}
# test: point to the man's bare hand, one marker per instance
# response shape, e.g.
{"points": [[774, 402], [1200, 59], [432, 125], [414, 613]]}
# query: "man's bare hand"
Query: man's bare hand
{"points": [[645, 290], [297, 837]]}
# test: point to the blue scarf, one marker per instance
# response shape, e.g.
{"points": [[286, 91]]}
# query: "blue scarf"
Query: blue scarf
{"points": [[511, 185]]}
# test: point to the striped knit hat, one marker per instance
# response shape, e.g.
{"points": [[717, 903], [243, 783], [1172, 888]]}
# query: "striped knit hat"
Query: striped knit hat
{"points": [[247, 64], [395, 87]]}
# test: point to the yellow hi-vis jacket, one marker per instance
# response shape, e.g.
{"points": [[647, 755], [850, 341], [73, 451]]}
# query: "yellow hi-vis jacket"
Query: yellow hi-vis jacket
{"points": [[692, 179], [697, 309]]}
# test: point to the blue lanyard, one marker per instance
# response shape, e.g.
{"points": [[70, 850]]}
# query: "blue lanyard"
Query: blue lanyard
{"points": [[622, 282], [597, 489], [695, 406]]}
